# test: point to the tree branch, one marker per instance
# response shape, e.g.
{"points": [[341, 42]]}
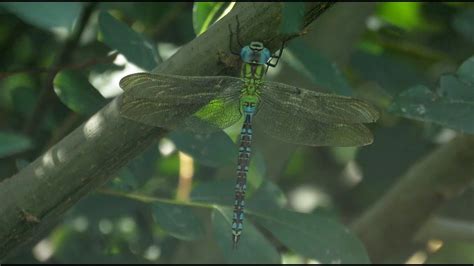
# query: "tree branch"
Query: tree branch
{"points": [[35, 198], [393, 221]]}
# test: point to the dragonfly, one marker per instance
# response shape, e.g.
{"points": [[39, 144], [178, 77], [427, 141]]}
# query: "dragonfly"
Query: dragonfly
{"points": [[203, 104]]}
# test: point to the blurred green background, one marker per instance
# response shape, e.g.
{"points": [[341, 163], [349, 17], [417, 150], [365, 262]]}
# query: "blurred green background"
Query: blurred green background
{"points": [[62, 62]]}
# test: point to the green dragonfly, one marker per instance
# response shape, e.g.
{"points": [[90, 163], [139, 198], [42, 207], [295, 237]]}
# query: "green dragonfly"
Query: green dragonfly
{"points": [[289, 113]]}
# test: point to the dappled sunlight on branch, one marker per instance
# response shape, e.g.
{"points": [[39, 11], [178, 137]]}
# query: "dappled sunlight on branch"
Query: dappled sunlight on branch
{"points": [[47, 160], [93, 127]]}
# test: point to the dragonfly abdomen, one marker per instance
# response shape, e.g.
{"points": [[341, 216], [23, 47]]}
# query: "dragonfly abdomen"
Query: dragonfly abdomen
{"points": [[240, 186]]}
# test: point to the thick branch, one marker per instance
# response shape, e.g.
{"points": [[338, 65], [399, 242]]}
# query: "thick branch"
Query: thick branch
{"points": [[85, 159], [393, 221]]}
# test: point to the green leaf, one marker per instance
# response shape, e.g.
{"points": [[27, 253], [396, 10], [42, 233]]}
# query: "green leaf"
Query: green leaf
{"points": [[267, 196], [138, 171], [420, 103], [99, 206], [215, 192], [463, 23], [48, 16], [117, 35], [256, 173], [77, 93], [10, 85], [24, 99], [317, 68], [178, 220], [293, 14], [213, 149], [395, 75], [143, 166], [466, 71], [461, 85], [313, 236], [455, 89], [406, 15], [11, 143], [252, 248], [452, 106], [204, 14], [97, 218], [222, 191], [125, 181]]}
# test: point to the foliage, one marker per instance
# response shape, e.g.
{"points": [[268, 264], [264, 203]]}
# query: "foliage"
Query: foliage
{"points": [[413, 61]]}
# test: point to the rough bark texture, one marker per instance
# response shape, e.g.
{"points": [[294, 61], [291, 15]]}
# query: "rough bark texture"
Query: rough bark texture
{"points": [[85, 159]]}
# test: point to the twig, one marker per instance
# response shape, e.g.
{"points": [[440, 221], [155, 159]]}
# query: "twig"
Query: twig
{"points": [[167, 19], [62, 57]]}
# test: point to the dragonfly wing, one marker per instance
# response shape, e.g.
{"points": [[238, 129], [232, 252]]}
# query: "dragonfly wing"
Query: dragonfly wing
{"points": [[149, 112], [218, 114], [303, 130], [171, 101], [323, 107]]}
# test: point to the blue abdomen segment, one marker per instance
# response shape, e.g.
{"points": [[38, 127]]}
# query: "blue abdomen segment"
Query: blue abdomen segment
{"points": [[243, 163]]}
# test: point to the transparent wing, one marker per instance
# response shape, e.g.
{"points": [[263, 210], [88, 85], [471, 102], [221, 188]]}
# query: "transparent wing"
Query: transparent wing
{"points": [[298, 129], [195, 103], [218, 114], [327, 108]]}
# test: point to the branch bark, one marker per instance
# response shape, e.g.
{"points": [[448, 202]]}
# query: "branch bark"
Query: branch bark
{"points": [[392, 223], [35, 198]]}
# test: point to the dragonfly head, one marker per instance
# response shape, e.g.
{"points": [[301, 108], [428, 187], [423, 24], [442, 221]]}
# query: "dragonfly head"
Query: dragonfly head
{"points": [[255, 53]]}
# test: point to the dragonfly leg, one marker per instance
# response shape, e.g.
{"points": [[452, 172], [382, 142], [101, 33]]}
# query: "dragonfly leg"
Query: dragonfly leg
{"points": [[231, 41], [269, 63], [237, 32]]}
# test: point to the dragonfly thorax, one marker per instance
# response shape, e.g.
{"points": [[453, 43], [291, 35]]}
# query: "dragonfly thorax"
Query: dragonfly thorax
{"points": [[255, 53]]}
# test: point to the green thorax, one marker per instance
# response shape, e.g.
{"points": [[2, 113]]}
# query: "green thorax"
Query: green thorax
{"points": [[252, 75]]}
